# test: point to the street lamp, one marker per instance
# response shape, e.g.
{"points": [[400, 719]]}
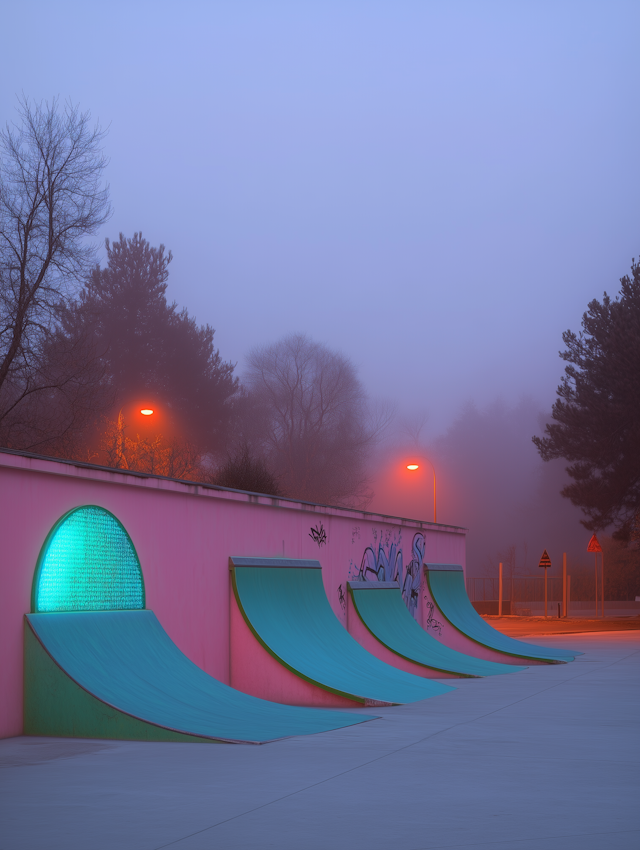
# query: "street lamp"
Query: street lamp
{"points": [[413, 467], [146, 411]]}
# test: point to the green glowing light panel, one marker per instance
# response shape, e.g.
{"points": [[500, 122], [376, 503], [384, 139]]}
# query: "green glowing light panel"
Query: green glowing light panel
{"points": [[88, 563]]}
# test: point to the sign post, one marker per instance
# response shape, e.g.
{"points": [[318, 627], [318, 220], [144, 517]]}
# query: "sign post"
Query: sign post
{"points": [[545, 563], [564, 584], [595, 547]]}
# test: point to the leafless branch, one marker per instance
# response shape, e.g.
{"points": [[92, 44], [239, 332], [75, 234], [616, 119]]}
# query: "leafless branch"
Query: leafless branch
{"points": [[52, 198]]}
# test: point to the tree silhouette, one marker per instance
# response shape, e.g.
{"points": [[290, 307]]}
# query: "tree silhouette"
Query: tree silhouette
{"points": [[597, 413], [310, 420], [242, 471], [150, 349], [51, 199]]}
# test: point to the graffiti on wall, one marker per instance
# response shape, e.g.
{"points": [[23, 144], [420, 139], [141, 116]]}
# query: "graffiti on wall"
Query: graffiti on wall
{"points": [[411, 584], [341, 598], [384, 562], [318, 534], [432, 623]]}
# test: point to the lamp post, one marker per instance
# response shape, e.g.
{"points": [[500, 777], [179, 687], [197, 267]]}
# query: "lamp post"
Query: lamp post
{"points": [[121, 458], [415, 466]]}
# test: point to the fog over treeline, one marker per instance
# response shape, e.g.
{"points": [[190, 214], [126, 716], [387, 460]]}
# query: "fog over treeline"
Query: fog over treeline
{"points": [[435, 190], [410, 205], [297, 421], [107, 370], [490, 480]]}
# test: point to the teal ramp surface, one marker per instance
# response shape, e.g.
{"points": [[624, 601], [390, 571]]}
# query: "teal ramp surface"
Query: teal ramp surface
{"points": [[126, 660], [446, 583], [285, 605], [381, 608]]}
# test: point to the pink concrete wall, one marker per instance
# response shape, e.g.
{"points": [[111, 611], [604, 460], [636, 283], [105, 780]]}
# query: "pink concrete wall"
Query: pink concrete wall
{"points": [[184, 535]]}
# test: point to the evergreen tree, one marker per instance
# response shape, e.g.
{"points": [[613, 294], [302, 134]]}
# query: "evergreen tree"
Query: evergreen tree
{"points": [[597, 413], [150, 350]]}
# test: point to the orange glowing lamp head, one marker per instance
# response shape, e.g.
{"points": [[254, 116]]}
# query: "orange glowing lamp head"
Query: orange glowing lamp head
{"points": [[146, 411], [413, 466]]}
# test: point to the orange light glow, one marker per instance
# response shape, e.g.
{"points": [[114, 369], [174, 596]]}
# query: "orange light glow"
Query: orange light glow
{"points": [[413, 466], [146, 411]]}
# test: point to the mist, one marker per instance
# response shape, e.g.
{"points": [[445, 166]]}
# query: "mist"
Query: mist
{"points": [[435, 190], [490, 480]]}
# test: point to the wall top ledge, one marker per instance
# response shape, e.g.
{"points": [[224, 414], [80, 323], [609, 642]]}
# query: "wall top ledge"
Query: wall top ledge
{"points": [[40, 464]]}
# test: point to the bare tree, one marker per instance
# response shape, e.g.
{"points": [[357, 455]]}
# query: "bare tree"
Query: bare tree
{"points": [[68, 395], [154, 454], [242, 471], [311, 421], [413, 426], [51, 198]]}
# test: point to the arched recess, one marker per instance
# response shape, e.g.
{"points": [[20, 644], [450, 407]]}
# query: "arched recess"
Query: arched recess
{"points": [[87, 563]]}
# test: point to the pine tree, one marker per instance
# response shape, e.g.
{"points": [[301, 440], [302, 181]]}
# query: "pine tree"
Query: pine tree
{"points": [[597, 413], [150, 350]]}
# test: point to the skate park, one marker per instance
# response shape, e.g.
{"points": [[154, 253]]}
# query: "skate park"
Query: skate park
{"points": [[128, 635]]}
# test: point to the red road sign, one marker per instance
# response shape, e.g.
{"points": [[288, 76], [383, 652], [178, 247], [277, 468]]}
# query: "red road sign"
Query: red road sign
{"points": [[594, 545], [545, 560]]}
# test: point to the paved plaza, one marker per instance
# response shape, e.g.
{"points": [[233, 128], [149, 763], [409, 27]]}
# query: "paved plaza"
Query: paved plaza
{"points": [[544, 759]]}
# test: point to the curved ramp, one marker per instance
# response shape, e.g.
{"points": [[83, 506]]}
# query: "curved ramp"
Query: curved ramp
{"points": [[286, 607], [381, 608], [446, 585], [118, 674]]}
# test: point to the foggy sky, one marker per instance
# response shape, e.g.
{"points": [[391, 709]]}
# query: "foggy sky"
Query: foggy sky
{"points": [[490, 480], [435, 189]]}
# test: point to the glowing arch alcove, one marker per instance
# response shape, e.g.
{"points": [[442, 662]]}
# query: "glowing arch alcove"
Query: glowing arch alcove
{"points": [[97, 664], [87, 563]]}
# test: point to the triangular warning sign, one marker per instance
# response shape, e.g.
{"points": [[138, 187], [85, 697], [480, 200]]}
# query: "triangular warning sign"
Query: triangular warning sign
{"points": [[545, 560], [594, 545]]}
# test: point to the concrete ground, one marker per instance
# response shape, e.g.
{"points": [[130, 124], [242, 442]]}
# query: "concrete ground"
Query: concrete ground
{"points": [[544, 759]]}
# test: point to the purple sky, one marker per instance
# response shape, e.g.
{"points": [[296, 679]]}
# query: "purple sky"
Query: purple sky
{"points": [[437, 189]]}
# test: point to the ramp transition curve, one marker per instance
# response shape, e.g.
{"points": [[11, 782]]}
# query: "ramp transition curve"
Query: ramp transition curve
{"points": [[285, 606], [118, 674], [382, 610], [446, 585]]}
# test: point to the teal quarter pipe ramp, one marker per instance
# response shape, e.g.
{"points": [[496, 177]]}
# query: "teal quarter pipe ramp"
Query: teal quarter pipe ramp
{"points": [[381, 608], [446, 585], [117, 674], [97, 664], [285, 606]]}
